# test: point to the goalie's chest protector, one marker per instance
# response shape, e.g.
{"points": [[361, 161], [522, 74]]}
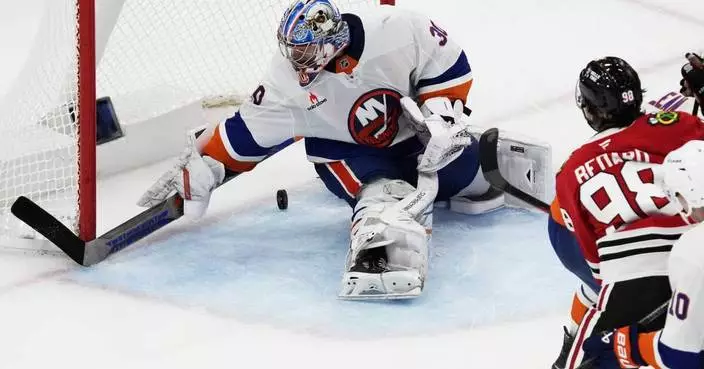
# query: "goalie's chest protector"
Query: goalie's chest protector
{"points": [[356, 99]]}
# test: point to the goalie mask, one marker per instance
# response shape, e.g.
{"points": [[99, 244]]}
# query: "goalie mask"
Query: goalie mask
{"points": [[310, 35]]}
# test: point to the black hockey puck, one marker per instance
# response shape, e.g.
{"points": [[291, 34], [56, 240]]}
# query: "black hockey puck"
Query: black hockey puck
{"points": [[282, 199]]}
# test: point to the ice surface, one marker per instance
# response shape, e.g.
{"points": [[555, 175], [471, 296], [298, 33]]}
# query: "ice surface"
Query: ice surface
{"points": [[282, 268]]}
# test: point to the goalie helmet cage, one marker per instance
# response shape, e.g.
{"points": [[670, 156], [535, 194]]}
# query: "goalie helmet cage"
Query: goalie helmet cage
{"points": [[156, 54]]}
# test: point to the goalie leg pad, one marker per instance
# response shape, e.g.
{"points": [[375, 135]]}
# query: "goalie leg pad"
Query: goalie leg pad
{"points": [[388, 255], [477, 198], [473, 205], [403, 284]]}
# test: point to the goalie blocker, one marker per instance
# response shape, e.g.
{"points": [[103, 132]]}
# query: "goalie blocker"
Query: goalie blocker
{"points": [[519, 166]]}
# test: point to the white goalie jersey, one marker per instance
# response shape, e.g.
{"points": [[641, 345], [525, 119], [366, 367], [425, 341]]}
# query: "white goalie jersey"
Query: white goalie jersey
{"points": [[355, 100]]}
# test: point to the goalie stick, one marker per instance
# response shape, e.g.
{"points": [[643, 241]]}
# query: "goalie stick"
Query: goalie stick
{"points": [[92, 252], [87, 253], [95, 251], [488, 145]]}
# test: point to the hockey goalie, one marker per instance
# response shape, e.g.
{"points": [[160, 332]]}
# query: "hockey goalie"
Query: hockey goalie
{"points": [[379, 98]]}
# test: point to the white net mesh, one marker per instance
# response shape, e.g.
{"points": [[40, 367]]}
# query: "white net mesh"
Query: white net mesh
{"points": [[38, 144], [160, 55], [154, 56]]}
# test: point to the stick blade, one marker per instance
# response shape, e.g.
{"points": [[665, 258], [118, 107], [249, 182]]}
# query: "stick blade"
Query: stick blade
{"points": [[48, 226]]}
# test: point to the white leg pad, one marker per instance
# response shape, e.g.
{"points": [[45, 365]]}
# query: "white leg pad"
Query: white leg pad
{"points": [[388, 255], [401, 284], [478, 205]]}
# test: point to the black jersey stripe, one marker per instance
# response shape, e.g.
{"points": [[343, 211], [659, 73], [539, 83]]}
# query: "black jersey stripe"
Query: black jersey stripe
{"points": [[647, 250], [641, 238]]}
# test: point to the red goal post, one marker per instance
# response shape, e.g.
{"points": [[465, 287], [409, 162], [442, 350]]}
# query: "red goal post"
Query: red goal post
{"points": [[153, 54]]}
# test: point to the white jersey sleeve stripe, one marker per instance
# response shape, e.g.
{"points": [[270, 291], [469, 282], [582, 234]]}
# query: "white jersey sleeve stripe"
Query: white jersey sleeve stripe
{"points": [[457, 74], [446, 85], [234, 133], [636, 253]]}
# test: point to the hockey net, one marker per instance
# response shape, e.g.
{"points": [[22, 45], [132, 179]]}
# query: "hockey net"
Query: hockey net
{"points": [[154, 54]]}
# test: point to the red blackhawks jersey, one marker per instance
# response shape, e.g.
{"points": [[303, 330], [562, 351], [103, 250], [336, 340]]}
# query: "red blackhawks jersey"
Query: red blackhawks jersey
{"points": [[610, 194]]}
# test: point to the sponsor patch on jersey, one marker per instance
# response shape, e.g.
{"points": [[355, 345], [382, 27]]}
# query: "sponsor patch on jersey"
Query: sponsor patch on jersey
{"points": [[315, 101], [373, 119], [604, 144], [664, 118]]}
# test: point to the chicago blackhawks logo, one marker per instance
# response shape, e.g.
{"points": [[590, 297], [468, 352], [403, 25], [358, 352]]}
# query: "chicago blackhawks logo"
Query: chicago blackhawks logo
{"points": [[664, 117], [373, 119]]}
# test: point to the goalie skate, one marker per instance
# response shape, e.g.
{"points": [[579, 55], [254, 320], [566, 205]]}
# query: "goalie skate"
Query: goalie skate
{"points": [[389, 285], [372, 278]]}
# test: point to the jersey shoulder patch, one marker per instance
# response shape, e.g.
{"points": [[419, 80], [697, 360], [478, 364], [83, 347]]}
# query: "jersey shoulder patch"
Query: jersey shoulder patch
{"points": [[665, 118]]}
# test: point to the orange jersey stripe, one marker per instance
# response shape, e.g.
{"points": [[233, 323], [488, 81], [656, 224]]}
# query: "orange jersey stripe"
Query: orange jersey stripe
{"points": [[347, 180], [458, 92], [579, 310], [556, 213], [647, 342], [215, 148]]}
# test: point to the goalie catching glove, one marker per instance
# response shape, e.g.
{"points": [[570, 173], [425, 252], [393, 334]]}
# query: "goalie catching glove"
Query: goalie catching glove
{"points": [[194, 177], [440, 126]]}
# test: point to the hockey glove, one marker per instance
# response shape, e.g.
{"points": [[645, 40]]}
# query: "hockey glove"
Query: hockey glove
{"points": [[440, 126], [692, 82], [619, 345], [194, 177]]}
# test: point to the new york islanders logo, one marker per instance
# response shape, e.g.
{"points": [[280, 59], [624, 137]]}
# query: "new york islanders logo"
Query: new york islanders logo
{"points": [[373, 119]]}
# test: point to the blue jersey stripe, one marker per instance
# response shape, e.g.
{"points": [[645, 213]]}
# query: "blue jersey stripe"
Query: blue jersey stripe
{"points": [[241, 138], [337, 150], [459, 69], [679, 359]]}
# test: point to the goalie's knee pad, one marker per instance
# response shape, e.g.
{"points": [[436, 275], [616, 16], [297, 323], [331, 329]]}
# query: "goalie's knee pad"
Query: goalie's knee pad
{"points": [[477, 198], [376, 246], [403, 236], [490, 200]]}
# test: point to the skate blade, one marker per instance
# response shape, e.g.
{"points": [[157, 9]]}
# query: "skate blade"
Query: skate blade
{"points": [[383, 296]]}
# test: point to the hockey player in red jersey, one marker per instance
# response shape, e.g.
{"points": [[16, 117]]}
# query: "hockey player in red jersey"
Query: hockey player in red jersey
{"points": [[611, 197], [679, 345]]}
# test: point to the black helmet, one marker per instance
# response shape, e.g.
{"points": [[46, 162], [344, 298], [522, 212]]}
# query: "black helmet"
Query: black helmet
{"points": [[609, 93]]}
